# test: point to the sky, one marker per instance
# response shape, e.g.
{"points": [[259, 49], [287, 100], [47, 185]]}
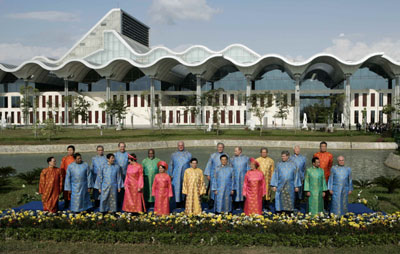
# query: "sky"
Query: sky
{"points": [[296, 29]]}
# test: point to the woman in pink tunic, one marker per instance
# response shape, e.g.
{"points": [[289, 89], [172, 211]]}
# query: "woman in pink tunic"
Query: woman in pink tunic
{"points": [[133, 200], [162, 190], [253, 189]]}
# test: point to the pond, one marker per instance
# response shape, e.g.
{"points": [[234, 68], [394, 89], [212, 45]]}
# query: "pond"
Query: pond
{"points": [[365, 164]]}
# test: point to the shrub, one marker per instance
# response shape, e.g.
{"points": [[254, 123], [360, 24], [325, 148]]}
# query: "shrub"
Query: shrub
{"points": [[30, 176], [391, 183], [5, 173], [362, 183]]}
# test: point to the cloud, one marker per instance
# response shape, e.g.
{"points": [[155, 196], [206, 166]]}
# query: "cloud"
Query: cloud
{"points": [[46, 16], [169, 11], [15, 53], [347, 49]]}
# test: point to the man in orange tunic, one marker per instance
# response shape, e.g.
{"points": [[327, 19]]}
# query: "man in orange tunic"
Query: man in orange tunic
{"points": [[66, 160], [50, 185], [326, 161]]}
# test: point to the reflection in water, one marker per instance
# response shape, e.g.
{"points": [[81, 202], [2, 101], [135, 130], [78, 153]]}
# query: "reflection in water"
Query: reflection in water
{"points": [[365, 164]]}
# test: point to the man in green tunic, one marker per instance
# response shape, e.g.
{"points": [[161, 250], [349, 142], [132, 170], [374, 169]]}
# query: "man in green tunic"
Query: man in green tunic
{"points": [[150, 170], [315, 186]]}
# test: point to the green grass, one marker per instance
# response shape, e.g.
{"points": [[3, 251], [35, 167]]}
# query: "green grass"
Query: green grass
{"points": [[15, 246], [12, 194], [70, 135]]}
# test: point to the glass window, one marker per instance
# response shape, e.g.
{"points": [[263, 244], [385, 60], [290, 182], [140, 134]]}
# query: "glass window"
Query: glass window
{"points": [[380, 99], [356, 115], [3, 102], [15, 101]]}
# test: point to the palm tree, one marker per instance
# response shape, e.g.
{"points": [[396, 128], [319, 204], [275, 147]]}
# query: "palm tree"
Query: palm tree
{"points": [[391, 183]]}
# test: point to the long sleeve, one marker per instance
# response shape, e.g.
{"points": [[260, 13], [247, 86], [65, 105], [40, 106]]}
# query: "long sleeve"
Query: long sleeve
{"points": [[154, 187], [245, 185], [89, 177], [234, 187], [350, 181], [263, 184], [202, 185], [42, 181], [324, 187], [307, 182], [297, 179], [170, 188], [214, 181], [99, 178], [330, 181], [140, 181], [207, 170], [61, 179], [272, 168], [185, 184], [275, 178], [68, 183], [119, 178], [170, 172]]}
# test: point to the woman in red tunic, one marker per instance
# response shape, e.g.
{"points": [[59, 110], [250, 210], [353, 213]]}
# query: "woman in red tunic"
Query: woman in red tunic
{"points": [[50, 186], [253, 189], [133, 200], [162, 190]]}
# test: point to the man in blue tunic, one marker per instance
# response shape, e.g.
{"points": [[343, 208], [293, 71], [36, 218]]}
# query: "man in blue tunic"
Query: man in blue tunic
{"points": [[340, 186], [180, 161], [109, 184], [79, 181], [300, 161], [285, 182], [97, 162], [240, 164], [212, 163], [121, 159], [223, 186]]}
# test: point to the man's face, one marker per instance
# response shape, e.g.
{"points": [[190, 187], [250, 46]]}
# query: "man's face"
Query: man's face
{"points": [[341, 161], [220, 148], [316, 163], [70, 151], [78, 159], [322, 148], [52, 163], [264, 153], [150, 154], [297, 150], [284, 157], [224, 160], [181, 146], [121, 147], [193, 164], [111, 160], [237, 151], [100, 151]]}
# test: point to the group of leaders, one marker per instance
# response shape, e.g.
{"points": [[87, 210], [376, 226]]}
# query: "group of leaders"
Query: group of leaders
{"points": [[118, 180]]}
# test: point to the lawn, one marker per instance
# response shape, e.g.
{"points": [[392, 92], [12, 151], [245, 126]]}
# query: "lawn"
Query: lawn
{"points": [[21, 136]]}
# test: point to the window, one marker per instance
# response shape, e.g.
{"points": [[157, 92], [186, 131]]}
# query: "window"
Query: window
{"points": [[222, 116], [164, 116], [356, 119], [57, 116], [44, 116], [90, 117], [171, 116], [207, 116], [148, 100], [103, 116], [380, 116], [389, 98], [356, 100], [15, 101], [96, 116], [178, 117], [293, 99], [232, 100], [50, 101], [114, 98], [128, 100], [62, 101], [3, 102], [157, 100], [365, 99], [56, 101], [43, 101], [185, 116], [372, 99], [372, 120], [224, 99], [237, 116], [142, 100], [380, 99], [135, 100]]}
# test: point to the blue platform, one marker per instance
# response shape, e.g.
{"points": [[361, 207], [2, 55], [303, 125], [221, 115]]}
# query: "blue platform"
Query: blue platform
{"points": [[353, 208]]}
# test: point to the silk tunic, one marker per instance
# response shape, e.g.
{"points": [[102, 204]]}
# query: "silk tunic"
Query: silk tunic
{"points": [[150, 170], [78, 181], [340, 182], [97, 163], [133, 200], [254, 190], [122, 160], [326, 161], [179, 163], [193, 188], [109, 180], [300, 161], [267, 167], [162, 191], [212, 164], [65, 161], [50, 186], [314, 182], [240, 164], [223, 182], [285, 178]]}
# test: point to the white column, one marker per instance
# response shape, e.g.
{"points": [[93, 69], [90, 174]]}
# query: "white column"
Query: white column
{"points": [[152, 98], [347, 102], [248, 94], [198, 99], [396, 95], [108, 98], [26, 113], [66, 101], [296, 111]]}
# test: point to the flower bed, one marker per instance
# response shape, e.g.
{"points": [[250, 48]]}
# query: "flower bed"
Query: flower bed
{"points": [[207, 228]]}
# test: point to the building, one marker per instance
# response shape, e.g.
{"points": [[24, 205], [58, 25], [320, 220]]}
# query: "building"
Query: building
{"points": [[115, 61]]}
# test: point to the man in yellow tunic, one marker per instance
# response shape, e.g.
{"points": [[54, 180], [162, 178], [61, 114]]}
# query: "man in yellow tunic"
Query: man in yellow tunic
{"points": [[267, 167], [193, 187]]}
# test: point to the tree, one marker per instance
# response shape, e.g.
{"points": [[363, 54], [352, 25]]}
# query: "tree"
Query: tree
{"points": [[28, 101], [282, 105], [115, 108], [260, 109], [388, 110], [313, 112], [81, 108], [49, 129], [211, 98]]}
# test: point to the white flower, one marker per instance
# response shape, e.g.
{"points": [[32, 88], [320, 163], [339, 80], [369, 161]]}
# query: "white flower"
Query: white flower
{"points": [[23, 186]]}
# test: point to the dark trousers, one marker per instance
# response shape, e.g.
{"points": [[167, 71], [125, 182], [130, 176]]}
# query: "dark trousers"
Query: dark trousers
{"points": [[238, 205]]}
